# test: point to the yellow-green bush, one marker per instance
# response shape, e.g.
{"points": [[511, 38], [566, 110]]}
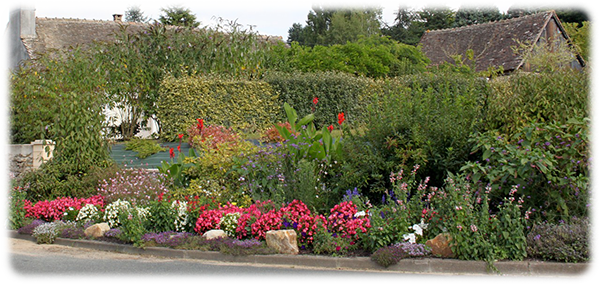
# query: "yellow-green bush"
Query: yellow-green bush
{"points": [[238, 104], [336, 92], [212, 174]]}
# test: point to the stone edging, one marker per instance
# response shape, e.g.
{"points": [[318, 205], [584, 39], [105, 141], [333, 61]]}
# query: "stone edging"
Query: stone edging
{"points": [[409, 265]]}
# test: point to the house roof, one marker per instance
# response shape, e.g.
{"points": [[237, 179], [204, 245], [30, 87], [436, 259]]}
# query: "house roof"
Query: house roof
{"points": [[492, 43], [60, 33]]}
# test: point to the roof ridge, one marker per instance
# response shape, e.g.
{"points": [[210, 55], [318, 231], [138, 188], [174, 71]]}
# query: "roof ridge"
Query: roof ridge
{"points": [[89, 20], [491, 22]]}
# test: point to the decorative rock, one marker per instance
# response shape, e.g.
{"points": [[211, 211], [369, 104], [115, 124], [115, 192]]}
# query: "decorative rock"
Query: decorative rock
{"points": [[284, 241], [440, 245], [96, 230], [212, 234]]}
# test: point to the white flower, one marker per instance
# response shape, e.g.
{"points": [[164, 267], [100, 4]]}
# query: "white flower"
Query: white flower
{"points": [[360, 214], [417, 228], [410, 237]]}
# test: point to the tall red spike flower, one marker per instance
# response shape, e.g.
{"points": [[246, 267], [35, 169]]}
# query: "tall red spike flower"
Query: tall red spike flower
{"points": [[341, 118], [315, 100], [330, 128], [172, 153], [200, 124]]}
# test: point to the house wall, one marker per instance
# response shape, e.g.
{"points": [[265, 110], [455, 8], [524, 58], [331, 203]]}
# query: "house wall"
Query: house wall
{"points": [[21, 24], [25, 157]]}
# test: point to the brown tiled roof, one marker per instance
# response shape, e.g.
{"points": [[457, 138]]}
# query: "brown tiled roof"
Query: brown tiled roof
{"points": [[60, 34], [491, 42]]}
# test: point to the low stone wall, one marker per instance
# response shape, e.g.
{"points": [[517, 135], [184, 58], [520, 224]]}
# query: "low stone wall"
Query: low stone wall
{"points": [[25, 157]]}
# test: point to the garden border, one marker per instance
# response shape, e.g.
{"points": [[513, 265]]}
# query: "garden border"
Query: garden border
{"points": [[409, 265]]}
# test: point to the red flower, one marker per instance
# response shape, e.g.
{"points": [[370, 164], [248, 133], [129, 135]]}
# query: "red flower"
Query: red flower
{"points": [[179, 148], [341, 118], [315, 100], [180, 136], [200, 124], [171, 153], [330, 128]]}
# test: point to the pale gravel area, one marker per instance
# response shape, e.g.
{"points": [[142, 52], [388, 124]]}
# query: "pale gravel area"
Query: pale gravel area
{"points": [[27, 247]]}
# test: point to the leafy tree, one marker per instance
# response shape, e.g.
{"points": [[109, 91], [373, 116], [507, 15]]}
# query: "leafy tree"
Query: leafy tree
{"points": [[297, 33], [476, 15], [405, 14], [349, 25], [436, 18], [569, 11], [518, 9], [329, 26], [135, 14], [178, 16]]}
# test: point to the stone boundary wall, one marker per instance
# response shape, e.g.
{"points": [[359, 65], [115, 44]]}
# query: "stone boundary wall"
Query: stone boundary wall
{"points": [[25, 157]]}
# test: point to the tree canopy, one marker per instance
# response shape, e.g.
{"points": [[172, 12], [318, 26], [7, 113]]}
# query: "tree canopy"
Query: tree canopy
{"points": [[330, 26], [476, 12], [134, 13], [178, 16]]}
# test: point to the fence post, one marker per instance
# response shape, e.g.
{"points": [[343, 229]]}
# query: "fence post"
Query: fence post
{"points": [[42, 152]]}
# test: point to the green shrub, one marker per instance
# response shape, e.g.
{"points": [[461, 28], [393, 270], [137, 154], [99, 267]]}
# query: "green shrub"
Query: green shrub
{"points": [[563, 242], [525, 98], [374, 57], [336, 92], [549, 162], [144, 148], [423, 119], [241, 105]]}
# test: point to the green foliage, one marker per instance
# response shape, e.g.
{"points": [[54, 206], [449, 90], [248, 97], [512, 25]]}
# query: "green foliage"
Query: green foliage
{"points": [[45, 91], [178, 16], [162, 217], [522, 99], [548, 161], [176, 169], [336, 93], [16, 197], [144, 148], [328, 26], [476, 12], [464, 212], [374, 56], [132, 226], [580, 35], [136, 63], [436, 15], [424, 119], [241, 105]]}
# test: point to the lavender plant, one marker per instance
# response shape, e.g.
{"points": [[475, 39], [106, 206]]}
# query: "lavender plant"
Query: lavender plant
{"points": [[388, 255]]}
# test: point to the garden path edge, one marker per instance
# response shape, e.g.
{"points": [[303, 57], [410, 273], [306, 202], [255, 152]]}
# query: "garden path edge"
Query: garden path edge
{"points": [[408, 265]]}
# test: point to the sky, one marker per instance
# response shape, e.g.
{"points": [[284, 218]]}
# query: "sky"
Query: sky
{"points": [[269, 17]]}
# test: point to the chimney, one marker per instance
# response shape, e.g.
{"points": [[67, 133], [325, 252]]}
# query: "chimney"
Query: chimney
{"points": [[22, 16], [117, 17]]}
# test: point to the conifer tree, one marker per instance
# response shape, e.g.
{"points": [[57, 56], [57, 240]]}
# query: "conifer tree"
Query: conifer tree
{"points": [[134, 13], [176, 13]]}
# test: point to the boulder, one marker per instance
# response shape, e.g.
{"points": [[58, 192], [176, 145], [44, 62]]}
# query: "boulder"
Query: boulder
{"points": [[96, 230], [440, 245], [212, 234], [283, 241]]}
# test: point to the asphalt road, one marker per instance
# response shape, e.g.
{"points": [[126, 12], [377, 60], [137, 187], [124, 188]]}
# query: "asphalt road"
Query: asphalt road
{"points": [[27, 262]]}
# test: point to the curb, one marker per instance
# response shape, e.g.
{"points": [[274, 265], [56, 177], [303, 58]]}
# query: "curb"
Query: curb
{"points": [[409, 265]]}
